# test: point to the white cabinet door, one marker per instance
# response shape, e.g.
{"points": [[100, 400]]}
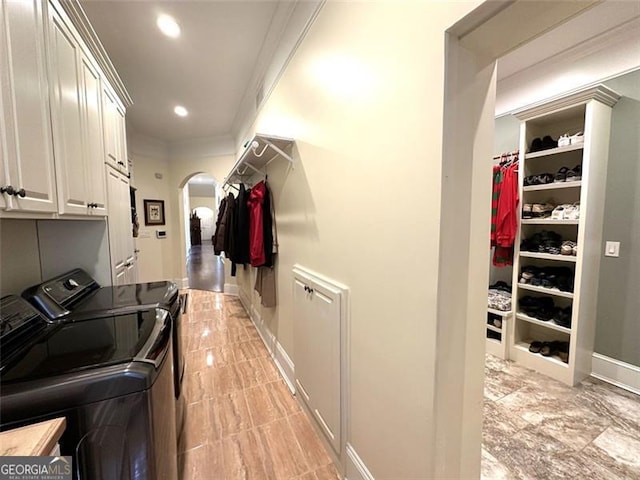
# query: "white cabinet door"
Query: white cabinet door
{"points": [[123, 261], [93, 137], [115, 225], [27, 150], [115, 146], [317, 338], [67, 117]]}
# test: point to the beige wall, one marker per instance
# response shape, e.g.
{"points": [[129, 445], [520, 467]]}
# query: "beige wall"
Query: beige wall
{"points": [[363, 98], [155, 258]]}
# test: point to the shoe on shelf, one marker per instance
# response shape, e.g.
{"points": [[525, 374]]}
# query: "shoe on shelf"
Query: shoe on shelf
{"points": [[542, 210], [572, 212], [567, 247], [548, 143], [577, 139], [574, 174], [560, 211], [563, 351], [575, 250], [535, 347], [536, 145], [561, 175], [564, 140], [526, 210]]}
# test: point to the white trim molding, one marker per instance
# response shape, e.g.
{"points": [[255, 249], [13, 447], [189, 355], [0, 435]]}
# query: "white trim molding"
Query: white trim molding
{"points": [[231, 289], [356, 469], [182, 282], [279, 355], [620, 374]]}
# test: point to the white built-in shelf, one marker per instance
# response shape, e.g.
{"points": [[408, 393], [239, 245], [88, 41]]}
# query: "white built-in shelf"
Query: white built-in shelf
{"points": [[260, 151], [552, 186], [494, 340], [499, 312], [493, 328], [548, 221], [553, 359], [550, 324], [549, 256], [548, 291], [554, 151]]}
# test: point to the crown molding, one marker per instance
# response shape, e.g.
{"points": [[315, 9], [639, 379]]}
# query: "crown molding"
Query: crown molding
{"points": [[599, 93]]}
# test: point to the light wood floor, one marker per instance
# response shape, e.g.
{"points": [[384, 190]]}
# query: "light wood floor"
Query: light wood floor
{"points": [[242, 422]]}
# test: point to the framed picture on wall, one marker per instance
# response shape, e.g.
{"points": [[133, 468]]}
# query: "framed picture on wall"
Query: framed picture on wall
{"points": [[154, 212]]}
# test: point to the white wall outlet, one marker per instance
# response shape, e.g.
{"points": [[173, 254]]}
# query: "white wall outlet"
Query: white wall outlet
{"points": [[612, 249]]}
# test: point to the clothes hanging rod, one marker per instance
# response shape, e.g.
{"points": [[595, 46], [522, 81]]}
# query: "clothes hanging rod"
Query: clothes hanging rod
{"points": [[507, 154]]}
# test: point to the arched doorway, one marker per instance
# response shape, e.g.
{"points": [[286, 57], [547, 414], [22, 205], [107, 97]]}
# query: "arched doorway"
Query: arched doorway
{"points": [[205, 271]]}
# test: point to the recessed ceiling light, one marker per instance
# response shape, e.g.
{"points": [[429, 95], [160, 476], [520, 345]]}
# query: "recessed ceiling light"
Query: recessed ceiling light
{"points": [[181, 111], [168, 25]]}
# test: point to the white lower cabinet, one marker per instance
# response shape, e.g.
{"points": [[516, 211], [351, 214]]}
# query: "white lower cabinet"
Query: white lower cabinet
{"points": [[319, 311], [123, 264]]}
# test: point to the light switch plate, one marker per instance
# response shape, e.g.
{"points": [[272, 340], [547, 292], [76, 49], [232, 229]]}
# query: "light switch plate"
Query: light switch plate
{"points": [[612, 249]]}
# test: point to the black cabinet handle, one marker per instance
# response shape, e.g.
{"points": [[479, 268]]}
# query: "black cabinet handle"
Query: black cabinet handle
{"points": [[20, 193], [8, 189], [308, 289]]}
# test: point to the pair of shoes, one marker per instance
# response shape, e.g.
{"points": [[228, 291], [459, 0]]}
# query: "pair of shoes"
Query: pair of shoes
{"points": [[541, 308], [569, 248], [539, 179], [547, 349], [566, 139], [566, 211], [562, 316], [545, 143], [542, 242], [574, 174], [547, 277], [537, 210]]}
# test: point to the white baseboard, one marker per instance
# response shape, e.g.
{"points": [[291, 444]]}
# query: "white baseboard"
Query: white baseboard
{"points": [[279, 355], [356, 469], [620, 374], [231, 289]]}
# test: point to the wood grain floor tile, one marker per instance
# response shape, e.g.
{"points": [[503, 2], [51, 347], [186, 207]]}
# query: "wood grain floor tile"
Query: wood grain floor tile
{"points": [[226, 380], [314, 453], [198, 427], [198, 386], [285, 459], [202, 463], [231, 413], [270, 370], [244, 456], [250, 349], [283, 397], [251, 373], [263, 407]]}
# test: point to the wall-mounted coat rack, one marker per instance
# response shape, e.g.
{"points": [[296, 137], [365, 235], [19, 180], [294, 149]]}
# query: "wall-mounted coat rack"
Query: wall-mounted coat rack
{"points": [[257, 156]]}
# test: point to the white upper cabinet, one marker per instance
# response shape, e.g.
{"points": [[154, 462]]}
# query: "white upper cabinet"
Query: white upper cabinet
{"points": [[26, 158], [77, 123], [120, 233], [94, 144], [115, 145]]}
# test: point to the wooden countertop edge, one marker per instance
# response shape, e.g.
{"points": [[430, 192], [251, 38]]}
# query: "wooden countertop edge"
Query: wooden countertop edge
{"points": [[32, 440]]}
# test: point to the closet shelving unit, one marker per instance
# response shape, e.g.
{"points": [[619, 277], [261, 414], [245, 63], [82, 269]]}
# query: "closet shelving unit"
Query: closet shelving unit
{"points": [[494, 346], [259, 152], [589, 111]]}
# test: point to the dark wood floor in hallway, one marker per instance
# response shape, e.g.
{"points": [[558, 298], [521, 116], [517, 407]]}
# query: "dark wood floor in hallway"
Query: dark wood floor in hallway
{"points": [[205, 269], [242, 422]]}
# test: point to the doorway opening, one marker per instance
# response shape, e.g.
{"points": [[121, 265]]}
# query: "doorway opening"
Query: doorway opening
{"points": [[205, 270]]}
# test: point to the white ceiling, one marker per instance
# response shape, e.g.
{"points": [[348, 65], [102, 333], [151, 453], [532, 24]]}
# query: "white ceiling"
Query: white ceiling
{"points": [[594, 22], [216, 61], [207, 69]]}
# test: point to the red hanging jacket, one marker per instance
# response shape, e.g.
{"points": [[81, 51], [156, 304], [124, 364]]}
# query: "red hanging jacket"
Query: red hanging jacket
{"points": [[257, 255]]}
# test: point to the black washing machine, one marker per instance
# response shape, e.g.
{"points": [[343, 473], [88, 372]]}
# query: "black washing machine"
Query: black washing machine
{"points": [[75, 296], [110, 376]]}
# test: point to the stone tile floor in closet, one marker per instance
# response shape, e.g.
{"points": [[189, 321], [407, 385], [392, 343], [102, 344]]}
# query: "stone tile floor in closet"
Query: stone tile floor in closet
{"points": [[241, 420], [538, 428]]}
